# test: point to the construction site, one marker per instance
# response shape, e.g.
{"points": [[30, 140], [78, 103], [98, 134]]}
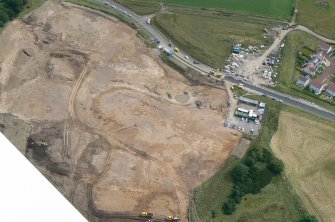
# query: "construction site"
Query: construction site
{"points": [[120, 134]]}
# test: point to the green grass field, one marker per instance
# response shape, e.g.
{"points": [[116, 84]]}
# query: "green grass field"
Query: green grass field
{"points": [[141, 7], [276, 202], [320, 20], [280, 9], [288, 74], [209, 37]]}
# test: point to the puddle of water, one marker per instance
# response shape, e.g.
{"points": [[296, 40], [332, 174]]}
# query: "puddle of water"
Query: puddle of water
{"points": [[182, 98]]}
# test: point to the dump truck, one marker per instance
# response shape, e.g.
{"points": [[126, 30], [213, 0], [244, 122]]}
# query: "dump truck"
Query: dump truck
{"points": [[146, 214], [172, 218]]}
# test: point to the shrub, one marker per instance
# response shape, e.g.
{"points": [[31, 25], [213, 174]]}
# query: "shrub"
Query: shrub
{"points": [[308, 218], [276, 166], [229, 207], [240, 173]]}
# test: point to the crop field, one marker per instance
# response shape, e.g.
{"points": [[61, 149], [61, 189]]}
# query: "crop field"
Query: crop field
{"points": [[276, 202], [318, 19], [288, 74], [307, 147], [268, 8], [208, 37]]}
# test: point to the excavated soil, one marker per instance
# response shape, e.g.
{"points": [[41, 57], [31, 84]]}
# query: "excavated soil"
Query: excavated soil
{"points": [[98, 113]]}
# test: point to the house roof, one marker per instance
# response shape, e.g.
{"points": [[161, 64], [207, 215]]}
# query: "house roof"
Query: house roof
{"points": [[330, 70], [324, 45], [303, 79], [331, 86], [317, 83]]}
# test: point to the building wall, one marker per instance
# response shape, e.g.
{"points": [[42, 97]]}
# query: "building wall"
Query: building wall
{"points": [[331, 93]]}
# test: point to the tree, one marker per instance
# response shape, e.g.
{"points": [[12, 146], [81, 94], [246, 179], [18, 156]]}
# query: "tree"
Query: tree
{"points": [[3, 16], [15, 5], [240, 173], [229, 207], [276, 166], [267, 156], [213, 213], [236, 195], [308, 218]]}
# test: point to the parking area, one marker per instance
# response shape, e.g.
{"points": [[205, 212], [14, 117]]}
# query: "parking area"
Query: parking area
{"points": [[245, 115]]}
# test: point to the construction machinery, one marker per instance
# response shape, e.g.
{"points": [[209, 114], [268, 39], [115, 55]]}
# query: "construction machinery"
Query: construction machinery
{"points": [[172, 218], [146, 214]]}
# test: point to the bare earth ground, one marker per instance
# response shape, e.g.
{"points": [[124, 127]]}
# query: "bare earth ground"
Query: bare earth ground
{"points": [[307, 148], [123, 132]]}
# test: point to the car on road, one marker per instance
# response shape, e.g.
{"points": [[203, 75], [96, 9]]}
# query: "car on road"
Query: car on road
{"points": [[196, 62], [113, 6], [186, 57], [106, 3]]}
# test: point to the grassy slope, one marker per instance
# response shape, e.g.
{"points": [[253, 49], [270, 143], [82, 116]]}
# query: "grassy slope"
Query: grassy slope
{"points": [[209, 37], [296, 39], [317, 19], [268, 8], [276, 202], [309, 159]]}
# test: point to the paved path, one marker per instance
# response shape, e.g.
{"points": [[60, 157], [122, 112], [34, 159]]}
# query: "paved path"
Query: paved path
{"points": [[205, 69]]}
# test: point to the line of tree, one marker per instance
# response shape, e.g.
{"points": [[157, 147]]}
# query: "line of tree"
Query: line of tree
{"points": [[253, 173], [9, 9]]}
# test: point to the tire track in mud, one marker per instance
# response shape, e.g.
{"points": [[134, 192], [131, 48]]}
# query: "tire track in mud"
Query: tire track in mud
{"points": [[172, 174]]}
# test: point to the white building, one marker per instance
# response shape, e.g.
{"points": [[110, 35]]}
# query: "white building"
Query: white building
{"points": [[303, 81]]}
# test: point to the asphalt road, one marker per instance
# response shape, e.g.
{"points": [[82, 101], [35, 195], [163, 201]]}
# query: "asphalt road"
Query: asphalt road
{"points": [[204, 69]]}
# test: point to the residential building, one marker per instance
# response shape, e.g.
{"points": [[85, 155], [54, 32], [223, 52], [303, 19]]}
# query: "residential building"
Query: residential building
{"points": [[325, 47], [317, 85], [303, 81], [315, 63], [331, 89]]}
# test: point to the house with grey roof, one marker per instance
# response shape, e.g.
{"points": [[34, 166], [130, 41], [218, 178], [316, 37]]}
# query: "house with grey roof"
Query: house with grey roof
{"points": [[303, 81]]}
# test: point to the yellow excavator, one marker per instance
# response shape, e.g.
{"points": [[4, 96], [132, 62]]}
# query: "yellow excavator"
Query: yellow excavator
{"points": [[146, 214], [172, 218]]}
